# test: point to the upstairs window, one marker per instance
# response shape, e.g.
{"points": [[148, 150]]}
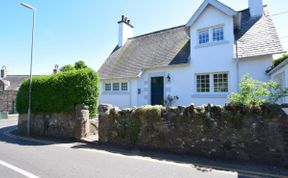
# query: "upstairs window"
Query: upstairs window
{"points": [[218, 34], [203, 36]]}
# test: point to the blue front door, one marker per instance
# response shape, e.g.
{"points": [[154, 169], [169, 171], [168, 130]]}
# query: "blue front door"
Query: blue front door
{"points": [[157, 91]]}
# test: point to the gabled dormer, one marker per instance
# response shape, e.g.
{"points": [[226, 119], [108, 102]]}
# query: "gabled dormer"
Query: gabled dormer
{"points": [[211, 24]]}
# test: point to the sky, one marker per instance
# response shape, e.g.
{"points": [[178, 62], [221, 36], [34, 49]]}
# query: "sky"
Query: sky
{"points": [[72, 30]]}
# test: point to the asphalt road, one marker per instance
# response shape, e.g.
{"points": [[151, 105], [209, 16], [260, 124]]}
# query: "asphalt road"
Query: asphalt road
{"points": [[28, 158]]}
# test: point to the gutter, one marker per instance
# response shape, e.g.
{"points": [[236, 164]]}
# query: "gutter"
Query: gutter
{"points": [[282, 64]]}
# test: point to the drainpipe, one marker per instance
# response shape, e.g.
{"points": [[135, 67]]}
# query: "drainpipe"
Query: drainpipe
{"points": [[237, 65]]}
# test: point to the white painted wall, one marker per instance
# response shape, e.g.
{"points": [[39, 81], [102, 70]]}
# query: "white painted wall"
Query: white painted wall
{"points": [[122, 99], [255, 67], [283, 73]]}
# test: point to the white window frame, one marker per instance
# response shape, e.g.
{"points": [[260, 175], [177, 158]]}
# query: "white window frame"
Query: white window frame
{"points": [[124, 83], [200, 84], [121, 83], [227, 82], [211, 41], [211, 78], [114, 84], [218, 33], [202, 36], [105, 89]]}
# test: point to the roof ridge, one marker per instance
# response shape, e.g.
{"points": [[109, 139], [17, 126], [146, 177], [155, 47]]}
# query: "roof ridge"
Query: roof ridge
{"points": [[158, 31]]}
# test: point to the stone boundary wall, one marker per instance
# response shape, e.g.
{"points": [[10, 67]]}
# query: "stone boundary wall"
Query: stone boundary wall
{"points": [[258, 134], [74, 125]]}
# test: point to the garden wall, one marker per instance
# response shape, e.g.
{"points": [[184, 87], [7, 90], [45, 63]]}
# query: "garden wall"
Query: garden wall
{"points": [[258, 134], [75, 125]]}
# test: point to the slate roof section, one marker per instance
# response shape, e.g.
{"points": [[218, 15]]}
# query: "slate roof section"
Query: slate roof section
{"points": [[256, 37], [15, 81]]}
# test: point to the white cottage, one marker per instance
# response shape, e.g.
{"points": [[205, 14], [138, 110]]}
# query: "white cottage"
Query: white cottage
{"points": [[200, 62]]}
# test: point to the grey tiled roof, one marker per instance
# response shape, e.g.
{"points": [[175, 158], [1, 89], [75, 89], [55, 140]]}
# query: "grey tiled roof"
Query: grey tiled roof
{"points": [[157, 49], [15, 81], [256, 37]]}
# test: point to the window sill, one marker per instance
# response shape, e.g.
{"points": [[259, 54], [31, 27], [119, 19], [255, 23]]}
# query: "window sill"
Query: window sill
{"points": [[210, 95], [211, 44], [115, 92]]}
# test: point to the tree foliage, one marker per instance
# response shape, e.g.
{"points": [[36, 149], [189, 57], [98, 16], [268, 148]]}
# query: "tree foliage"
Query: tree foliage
{"points": [[254, 92], [78, 65], [61, 92]]}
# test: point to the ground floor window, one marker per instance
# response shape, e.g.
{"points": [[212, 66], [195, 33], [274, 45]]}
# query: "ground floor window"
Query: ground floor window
{"points": [[116, 86], [220, 82], [124, 86], [203, 83], [213, 82], [107, 86]]}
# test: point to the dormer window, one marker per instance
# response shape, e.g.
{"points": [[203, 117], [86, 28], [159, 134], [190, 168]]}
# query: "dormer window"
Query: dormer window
{"points": [[203, 36], [211, 36], [218, 34]]}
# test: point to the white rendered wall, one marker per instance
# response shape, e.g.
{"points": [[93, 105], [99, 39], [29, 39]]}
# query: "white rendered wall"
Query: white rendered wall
{"points": [[121, 99], [255, 67]]}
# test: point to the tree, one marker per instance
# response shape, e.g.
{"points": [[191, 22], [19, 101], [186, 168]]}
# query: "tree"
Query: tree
{"points": [[80, 65], [66, 68]]}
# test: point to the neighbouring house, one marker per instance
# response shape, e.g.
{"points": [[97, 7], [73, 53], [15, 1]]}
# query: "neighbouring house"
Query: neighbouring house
{"points": [[279, 73], [9, 85], [200, 62]]}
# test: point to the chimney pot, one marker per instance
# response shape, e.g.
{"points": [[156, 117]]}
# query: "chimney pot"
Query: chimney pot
{"points": [[4, 72]]}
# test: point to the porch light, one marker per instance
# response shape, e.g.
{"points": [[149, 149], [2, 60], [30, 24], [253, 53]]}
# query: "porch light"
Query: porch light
{"points": [[168, 78]]}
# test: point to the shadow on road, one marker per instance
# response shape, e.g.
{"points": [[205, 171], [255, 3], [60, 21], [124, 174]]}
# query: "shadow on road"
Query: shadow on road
{"points": [[244, 169]]}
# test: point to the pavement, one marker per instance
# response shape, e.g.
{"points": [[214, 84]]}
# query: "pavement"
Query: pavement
{"points": [[33, 157]]}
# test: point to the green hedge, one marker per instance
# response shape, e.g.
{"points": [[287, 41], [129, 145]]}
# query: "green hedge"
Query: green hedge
{"points": [[60, 92]]}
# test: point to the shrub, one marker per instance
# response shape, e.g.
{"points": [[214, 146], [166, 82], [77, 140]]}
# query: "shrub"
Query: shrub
{"points": [[280, 59], [253, 92], [60, 92]]}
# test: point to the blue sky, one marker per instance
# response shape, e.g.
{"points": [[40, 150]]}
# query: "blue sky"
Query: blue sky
{"points": [[70, 30]]}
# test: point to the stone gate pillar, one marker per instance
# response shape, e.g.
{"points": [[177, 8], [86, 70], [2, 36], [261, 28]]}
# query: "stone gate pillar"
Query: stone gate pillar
{"points": [[82, 121]]}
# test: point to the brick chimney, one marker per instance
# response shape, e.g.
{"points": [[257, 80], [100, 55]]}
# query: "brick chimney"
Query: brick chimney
{"points": [[125, 31], [256, 8], [56, 70], [4, 72]]}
